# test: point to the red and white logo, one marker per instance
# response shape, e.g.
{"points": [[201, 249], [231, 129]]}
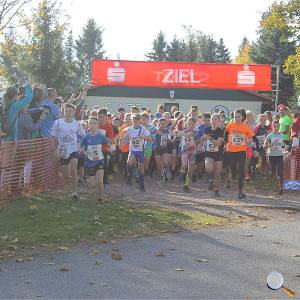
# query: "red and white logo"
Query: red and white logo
{"points": [[116, 74], [246, 77]]}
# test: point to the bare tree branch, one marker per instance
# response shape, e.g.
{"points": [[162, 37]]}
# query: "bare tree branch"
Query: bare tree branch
{"points": [[8, 10]]}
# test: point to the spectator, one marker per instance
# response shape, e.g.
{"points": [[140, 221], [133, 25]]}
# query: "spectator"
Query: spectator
{"points": [[296, 128], [121, 113], [37, 97], [53, 115], [285, 123], [27, 127], [12, 105]]}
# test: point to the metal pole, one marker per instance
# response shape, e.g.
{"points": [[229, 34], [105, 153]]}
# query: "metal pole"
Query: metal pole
{"points": [[277, 86]]}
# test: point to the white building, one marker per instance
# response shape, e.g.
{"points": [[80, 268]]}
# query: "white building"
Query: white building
{"points": [[207, 100]]}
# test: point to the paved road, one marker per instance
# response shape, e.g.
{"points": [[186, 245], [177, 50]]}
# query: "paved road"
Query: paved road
{"points": [[236, 268]]}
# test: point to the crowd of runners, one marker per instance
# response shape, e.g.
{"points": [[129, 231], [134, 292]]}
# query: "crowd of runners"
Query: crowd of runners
{"points": [[166, 146]]}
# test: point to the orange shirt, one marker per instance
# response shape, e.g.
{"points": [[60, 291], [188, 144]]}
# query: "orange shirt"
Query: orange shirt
{"points": [[123, 143], [238, 136]]}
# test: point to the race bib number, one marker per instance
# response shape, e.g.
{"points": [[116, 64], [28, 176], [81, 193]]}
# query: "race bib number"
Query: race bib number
{"points": [[276, 144], [210, 147], [261, 140], [164, 140], [124, 140], [188, 141], [201, 148], [238, 139], [136, 142], [64, 151], [95, 152]]}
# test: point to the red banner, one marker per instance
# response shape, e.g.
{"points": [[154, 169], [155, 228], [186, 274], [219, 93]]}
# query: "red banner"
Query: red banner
{"points": [[181, 75]]}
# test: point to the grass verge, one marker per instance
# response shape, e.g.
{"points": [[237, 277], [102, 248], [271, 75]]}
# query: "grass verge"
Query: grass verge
{"points": [[54, 220]]}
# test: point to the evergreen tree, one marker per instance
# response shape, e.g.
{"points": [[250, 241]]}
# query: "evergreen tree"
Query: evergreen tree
{"points": [[159, 48], [73, 75], [208, 49], [69, 48], [243, 56], [90, 44], [176, 50], [45, 57], [192, 44], [223, 54]]}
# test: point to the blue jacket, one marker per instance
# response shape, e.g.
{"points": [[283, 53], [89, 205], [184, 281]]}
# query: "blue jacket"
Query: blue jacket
{"points": [[46, 125], [13, 114]]}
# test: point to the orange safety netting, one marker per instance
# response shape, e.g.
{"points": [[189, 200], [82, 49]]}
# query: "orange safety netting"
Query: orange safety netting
{"points": [[291, 166], [26, 167]]}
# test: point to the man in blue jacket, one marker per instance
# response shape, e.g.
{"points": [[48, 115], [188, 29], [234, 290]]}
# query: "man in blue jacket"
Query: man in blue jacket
{"points": [[46, 125]]}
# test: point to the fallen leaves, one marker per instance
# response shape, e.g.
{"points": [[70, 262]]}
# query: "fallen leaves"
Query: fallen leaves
{"points": [[159, 253], [200, 260], [63, 248], [249, 235], [289, 212], [98, 263], [296, 255], [64, 269], [33, 207], [116, 255], [20, 260], [179, 270], [94, 252]]}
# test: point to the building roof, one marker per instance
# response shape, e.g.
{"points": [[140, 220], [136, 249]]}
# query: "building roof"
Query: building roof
{"points": [[179, 93]]}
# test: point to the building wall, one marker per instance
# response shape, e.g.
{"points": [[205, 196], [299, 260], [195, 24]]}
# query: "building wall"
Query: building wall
{"points": [[113, 103]]}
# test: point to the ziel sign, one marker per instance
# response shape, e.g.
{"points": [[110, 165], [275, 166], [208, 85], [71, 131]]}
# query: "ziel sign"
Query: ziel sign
{"points": [[181, 75]]}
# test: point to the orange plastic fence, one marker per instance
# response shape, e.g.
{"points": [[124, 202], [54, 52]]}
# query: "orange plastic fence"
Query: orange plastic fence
{"points": [[26, 167], [291, 166]]}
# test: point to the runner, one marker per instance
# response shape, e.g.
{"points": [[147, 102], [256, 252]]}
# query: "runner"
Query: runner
{"points": [[200, 151], [148, 146], [124, 143], [261, 131], [238, 135], [188, 152], [162, 157], [274, 145], [65, 131], [213, 141], [91, 147], [137, 135], [107, 130]]}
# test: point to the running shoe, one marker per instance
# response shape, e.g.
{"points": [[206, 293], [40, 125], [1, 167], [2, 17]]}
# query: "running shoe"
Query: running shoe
{"points": [[99, 202], [242, 195], [186, 189], [75, 197], [210, 185], [280, 192], [142, 188]]}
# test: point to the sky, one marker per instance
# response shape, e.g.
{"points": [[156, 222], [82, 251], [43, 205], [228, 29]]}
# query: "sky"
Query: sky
{"points": [[131, 25]]}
